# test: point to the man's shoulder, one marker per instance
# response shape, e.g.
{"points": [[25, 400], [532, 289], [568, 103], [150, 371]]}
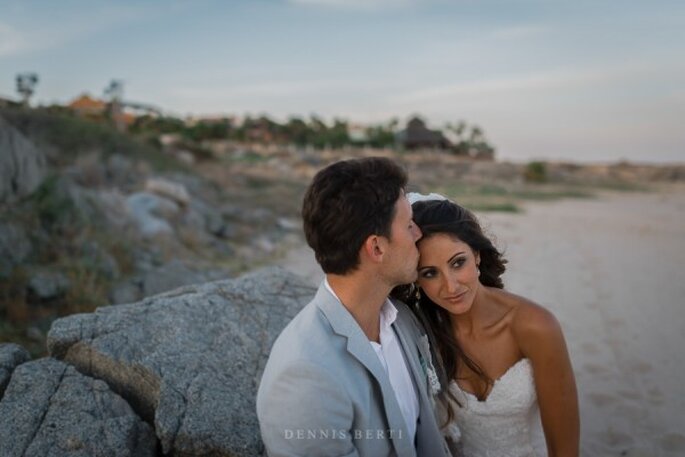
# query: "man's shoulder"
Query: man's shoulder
{"points": [[305, 337]]}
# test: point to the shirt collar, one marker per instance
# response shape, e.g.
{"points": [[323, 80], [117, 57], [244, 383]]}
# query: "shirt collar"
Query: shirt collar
{"points": [[388, 310]]}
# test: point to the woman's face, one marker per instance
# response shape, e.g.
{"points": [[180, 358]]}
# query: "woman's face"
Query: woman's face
{"points": [[448, 272]]}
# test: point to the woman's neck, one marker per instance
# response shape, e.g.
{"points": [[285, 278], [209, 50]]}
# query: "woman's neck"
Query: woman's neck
{"points": [[473, 320]]}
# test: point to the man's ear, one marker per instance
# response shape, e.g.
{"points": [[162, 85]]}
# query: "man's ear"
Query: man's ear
{"points": [[374, 248]]}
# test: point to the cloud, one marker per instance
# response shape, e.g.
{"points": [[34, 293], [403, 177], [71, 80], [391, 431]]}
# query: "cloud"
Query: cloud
{"points": [[496, 86], [608, 111], [270, 89], [356, 5], [63, 26], [518, 32], [11, 41], [281, 98], [538, 82]]}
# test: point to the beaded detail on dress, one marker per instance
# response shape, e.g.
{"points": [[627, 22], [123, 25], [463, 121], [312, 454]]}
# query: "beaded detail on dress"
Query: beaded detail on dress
{"points": [[501, 425]]}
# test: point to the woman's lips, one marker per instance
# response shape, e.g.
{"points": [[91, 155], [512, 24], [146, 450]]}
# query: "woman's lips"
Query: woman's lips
{"points": [[456, 298]]}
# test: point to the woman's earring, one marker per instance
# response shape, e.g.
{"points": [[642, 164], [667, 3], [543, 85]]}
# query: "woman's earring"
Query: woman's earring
{"points": [[478, 267], [417, 293]]}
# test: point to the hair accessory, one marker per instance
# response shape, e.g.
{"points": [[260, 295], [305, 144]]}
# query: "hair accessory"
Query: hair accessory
{"points": [[414, 197]]}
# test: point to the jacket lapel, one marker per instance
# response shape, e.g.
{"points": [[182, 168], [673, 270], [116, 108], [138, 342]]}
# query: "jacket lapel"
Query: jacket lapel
{"points": [[417, 352], [413, 352], [359, 347]]}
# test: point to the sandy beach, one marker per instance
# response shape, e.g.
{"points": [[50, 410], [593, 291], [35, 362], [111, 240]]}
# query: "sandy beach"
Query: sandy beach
{"points": [[611, 270]]}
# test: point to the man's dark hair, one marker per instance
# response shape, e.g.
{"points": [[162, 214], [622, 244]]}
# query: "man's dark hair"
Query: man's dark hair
{"points": [[346, 203]]}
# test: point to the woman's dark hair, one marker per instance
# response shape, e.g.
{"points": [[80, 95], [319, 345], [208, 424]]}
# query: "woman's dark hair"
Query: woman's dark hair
{"points": [[445, 217], [346, 203]]}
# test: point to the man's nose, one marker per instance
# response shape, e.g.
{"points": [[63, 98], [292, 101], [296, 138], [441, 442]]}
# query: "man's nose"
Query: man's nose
{"points": [[417, 233]]}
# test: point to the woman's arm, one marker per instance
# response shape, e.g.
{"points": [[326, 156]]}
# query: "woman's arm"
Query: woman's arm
{"points": [[541, 340]]}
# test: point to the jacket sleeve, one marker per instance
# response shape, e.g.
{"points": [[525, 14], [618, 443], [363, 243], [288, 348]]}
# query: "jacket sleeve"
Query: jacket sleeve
{"points": [[303, 411]]}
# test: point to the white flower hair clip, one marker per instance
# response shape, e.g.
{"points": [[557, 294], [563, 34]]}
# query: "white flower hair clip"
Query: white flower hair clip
{"points": [[414, 197]]}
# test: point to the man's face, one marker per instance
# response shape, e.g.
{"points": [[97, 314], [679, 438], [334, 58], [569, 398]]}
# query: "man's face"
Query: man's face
{"points": [[402, 256]]}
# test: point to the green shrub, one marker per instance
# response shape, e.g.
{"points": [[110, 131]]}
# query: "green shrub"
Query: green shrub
{"points": [[54, 206], [73, 136], [536, 172]]}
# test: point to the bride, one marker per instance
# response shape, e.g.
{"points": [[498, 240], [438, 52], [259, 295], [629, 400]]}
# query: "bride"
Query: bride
{"points": [[503, 356]]}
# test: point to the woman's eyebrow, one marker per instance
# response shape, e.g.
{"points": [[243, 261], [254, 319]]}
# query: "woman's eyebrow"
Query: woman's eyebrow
{"points": [[450, 260], [455, 255]]}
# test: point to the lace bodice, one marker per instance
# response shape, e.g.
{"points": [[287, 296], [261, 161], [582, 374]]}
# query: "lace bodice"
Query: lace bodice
{"points": [[502, 425]]}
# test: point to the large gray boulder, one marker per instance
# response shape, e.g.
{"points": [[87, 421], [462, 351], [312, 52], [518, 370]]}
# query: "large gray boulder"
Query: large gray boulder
{"points": [[11, 356], [49, 409], [22, 165], [189, 360]]}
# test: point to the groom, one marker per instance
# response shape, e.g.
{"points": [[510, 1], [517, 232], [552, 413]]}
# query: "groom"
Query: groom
{"points": [[347, 376]]}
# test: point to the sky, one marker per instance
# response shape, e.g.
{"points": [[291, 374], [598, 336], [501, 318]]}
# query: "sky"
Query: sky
{"points": [[591, 81]]}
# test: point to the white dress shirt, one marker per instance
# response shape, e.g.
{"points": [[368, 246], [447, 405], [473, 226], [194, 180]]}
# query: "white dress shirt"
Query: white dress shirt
{"points": [[389, 352]]}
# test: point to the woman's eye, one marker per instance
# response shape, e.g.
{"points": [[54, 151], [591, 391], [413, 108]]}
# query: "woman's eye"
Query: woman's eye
{"points": [[428, 274], [459, 262]]}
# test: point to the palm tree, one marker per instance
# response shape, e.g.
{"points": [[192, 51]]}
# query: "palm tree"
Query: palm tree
{"points": [[476, 135], [26, 85]]}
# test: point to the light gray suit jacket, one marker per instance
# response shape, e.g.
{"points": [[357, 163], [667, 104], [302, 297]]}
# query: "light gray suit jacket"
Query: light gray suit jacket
{"points": [[324, 391]]}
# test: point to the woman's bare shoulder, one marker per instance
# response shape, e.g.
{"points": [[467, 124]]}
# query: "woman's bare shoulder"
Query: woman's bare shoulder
{"points": [[530, 322]]}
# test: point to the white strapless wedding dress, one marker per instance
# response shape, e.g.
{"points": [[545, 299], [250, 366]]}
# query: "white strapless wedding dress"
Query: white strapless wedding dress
{"points": [[507, 423]]}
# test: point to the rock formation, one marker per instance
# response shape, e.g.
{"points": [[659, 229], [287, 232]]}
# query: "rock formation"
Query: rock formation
{"points": [[186, 362], [51, 409], [11, 356], [22, 165]]}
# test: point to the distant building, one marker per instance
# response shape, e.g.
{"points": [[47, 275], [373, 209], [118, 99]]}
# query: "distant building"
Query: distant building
{"points": [[261, 130], [86, 106], [357, 133], [418, 136], [93, 108], [136, 109]]}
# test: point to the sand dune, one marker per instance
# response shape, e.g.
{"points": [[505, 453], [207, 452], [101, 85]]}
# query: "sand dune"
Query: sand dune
{"points": [[611, 269]]}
